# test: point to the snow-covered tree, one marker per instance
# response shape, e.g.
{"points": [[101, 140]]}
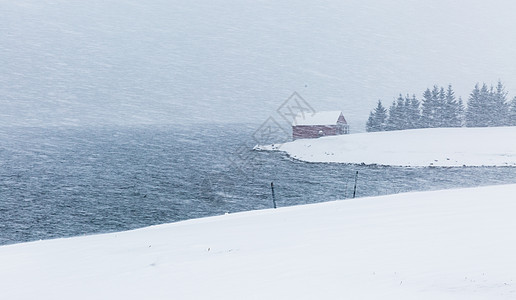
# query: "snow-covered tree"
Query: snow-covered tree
{"points": [[453, 109], [440, 108], [427, 109], [370, 125], [381, 116], [500, 109], [397, 115], [440, 113], [511, 116], [474, 111], [413, 112], [377, 118], [461, 111], [433, 106], [487, 107]]}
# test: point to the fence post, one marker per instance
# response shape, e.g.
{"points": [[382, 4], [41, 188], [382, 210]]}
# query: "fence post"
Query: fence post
{"points": [[273, 196], [355, 188]]}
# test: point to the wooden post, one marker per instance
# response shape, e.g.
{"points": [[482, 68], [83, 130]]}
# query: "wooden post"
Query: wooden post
{"points": [[355, 188], [273, 197]]}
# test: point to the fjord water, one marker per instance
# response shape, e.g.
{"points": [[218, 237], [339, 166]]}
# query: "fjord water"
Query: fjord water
{"points": [[67, 181]]}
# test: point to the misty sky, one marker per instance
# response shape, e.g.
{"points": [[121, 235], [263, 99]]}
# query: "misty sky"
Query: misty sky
{"points": [[158, 61]]}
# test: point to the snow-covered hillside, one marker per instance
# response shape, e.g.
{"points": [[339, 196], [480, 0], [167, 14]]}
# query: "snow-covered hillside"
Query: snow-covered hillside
{"points": [[494, 146], [455, 244]]}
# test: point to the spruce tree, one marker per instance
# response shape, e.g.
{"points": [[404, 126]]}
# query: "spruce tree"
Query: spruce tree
{"points": [[453, 109], [474, 107], [500, 110], [380, 116], [377, 118], [440, 111], [430, 108], [487, 107], [426, 109], [461, 111], [398, 115], [449, 107], [483, 118], [511, 116], [401, 110], [440, 108], [393, 118], [413, 112], [477, 114], [370, 125]]}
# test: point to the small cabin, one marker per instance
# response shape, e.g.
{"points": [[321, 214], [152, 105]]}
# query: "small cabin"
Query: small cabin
{"points": [[323, 123]]}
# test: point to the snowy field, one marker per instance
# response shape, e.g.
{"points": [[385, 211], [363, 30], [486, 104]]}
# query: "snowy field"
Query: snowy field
{"points": [[495, 146], [454, 244]]}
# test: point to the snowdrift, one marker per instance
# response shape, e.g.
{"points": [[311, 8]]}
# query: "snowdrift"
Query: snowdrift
{"points": [[455, 244], [447, 147]]}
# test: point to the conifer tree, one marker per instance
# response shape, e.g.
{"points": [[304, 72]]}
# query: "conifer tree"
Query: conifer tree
{"points": [[474, 109], [461, 111], [487, 107], [402, 113], [377, 118], [511, 116], [483, 118], [440, 108], [453, 109], [500, 110], [432, 106], [394, 117], [413, 112], [370, 125], [426, 109], [440, 111], [381, 116], [398, 115]]}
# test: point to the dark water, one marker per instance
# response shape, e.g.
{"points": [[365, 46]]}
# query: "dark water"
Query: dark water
{"points": [[59, 182]]}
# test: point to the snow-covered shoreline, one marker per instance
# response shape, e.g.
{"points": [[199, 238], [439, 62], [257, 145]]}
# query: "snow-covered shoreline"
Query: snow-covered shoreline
{"points": [[452, 244], [446, 147]]}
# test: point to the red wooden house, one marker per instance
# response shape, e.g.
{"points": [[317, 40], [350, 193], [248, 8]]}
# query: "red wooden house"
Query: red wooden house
{"points": [[323, 123]]}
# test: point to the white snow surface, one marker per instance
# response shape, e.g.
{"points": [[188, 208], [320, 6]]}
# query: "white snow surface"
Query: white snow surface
{"points": [[317, 118], [453, 244], [495, 146]]}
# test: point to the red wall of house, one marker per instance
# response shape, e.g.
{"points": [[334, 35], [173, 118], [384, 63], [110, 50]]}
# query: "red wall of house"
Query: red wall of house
{"points": [[310, 132]]}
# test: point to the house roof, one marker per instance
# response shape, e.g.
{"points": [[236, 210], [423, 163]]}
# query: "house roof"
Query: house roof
{"points": [[318, 118]]}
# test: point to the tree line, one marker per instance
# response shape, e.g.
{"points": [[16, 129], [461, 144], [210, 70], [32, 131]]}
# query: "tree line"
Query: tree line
{"points": [[486, 107]]}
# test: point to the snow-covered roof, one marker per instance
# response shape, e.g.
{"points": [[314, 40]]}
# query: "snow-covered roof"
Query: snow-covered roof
{"points": [[318, 118]]}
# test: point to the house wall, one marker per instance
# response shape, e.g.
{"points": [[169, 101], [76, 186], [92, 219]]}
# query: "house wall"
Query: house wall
{"points": [[342, 120], [310, 132], [342, 128]]}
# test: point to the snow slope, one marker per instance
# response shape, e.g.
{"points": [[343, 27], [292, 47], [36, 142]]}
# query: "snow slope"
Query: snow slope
{"points": [[454, 244], [419, 147]]}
